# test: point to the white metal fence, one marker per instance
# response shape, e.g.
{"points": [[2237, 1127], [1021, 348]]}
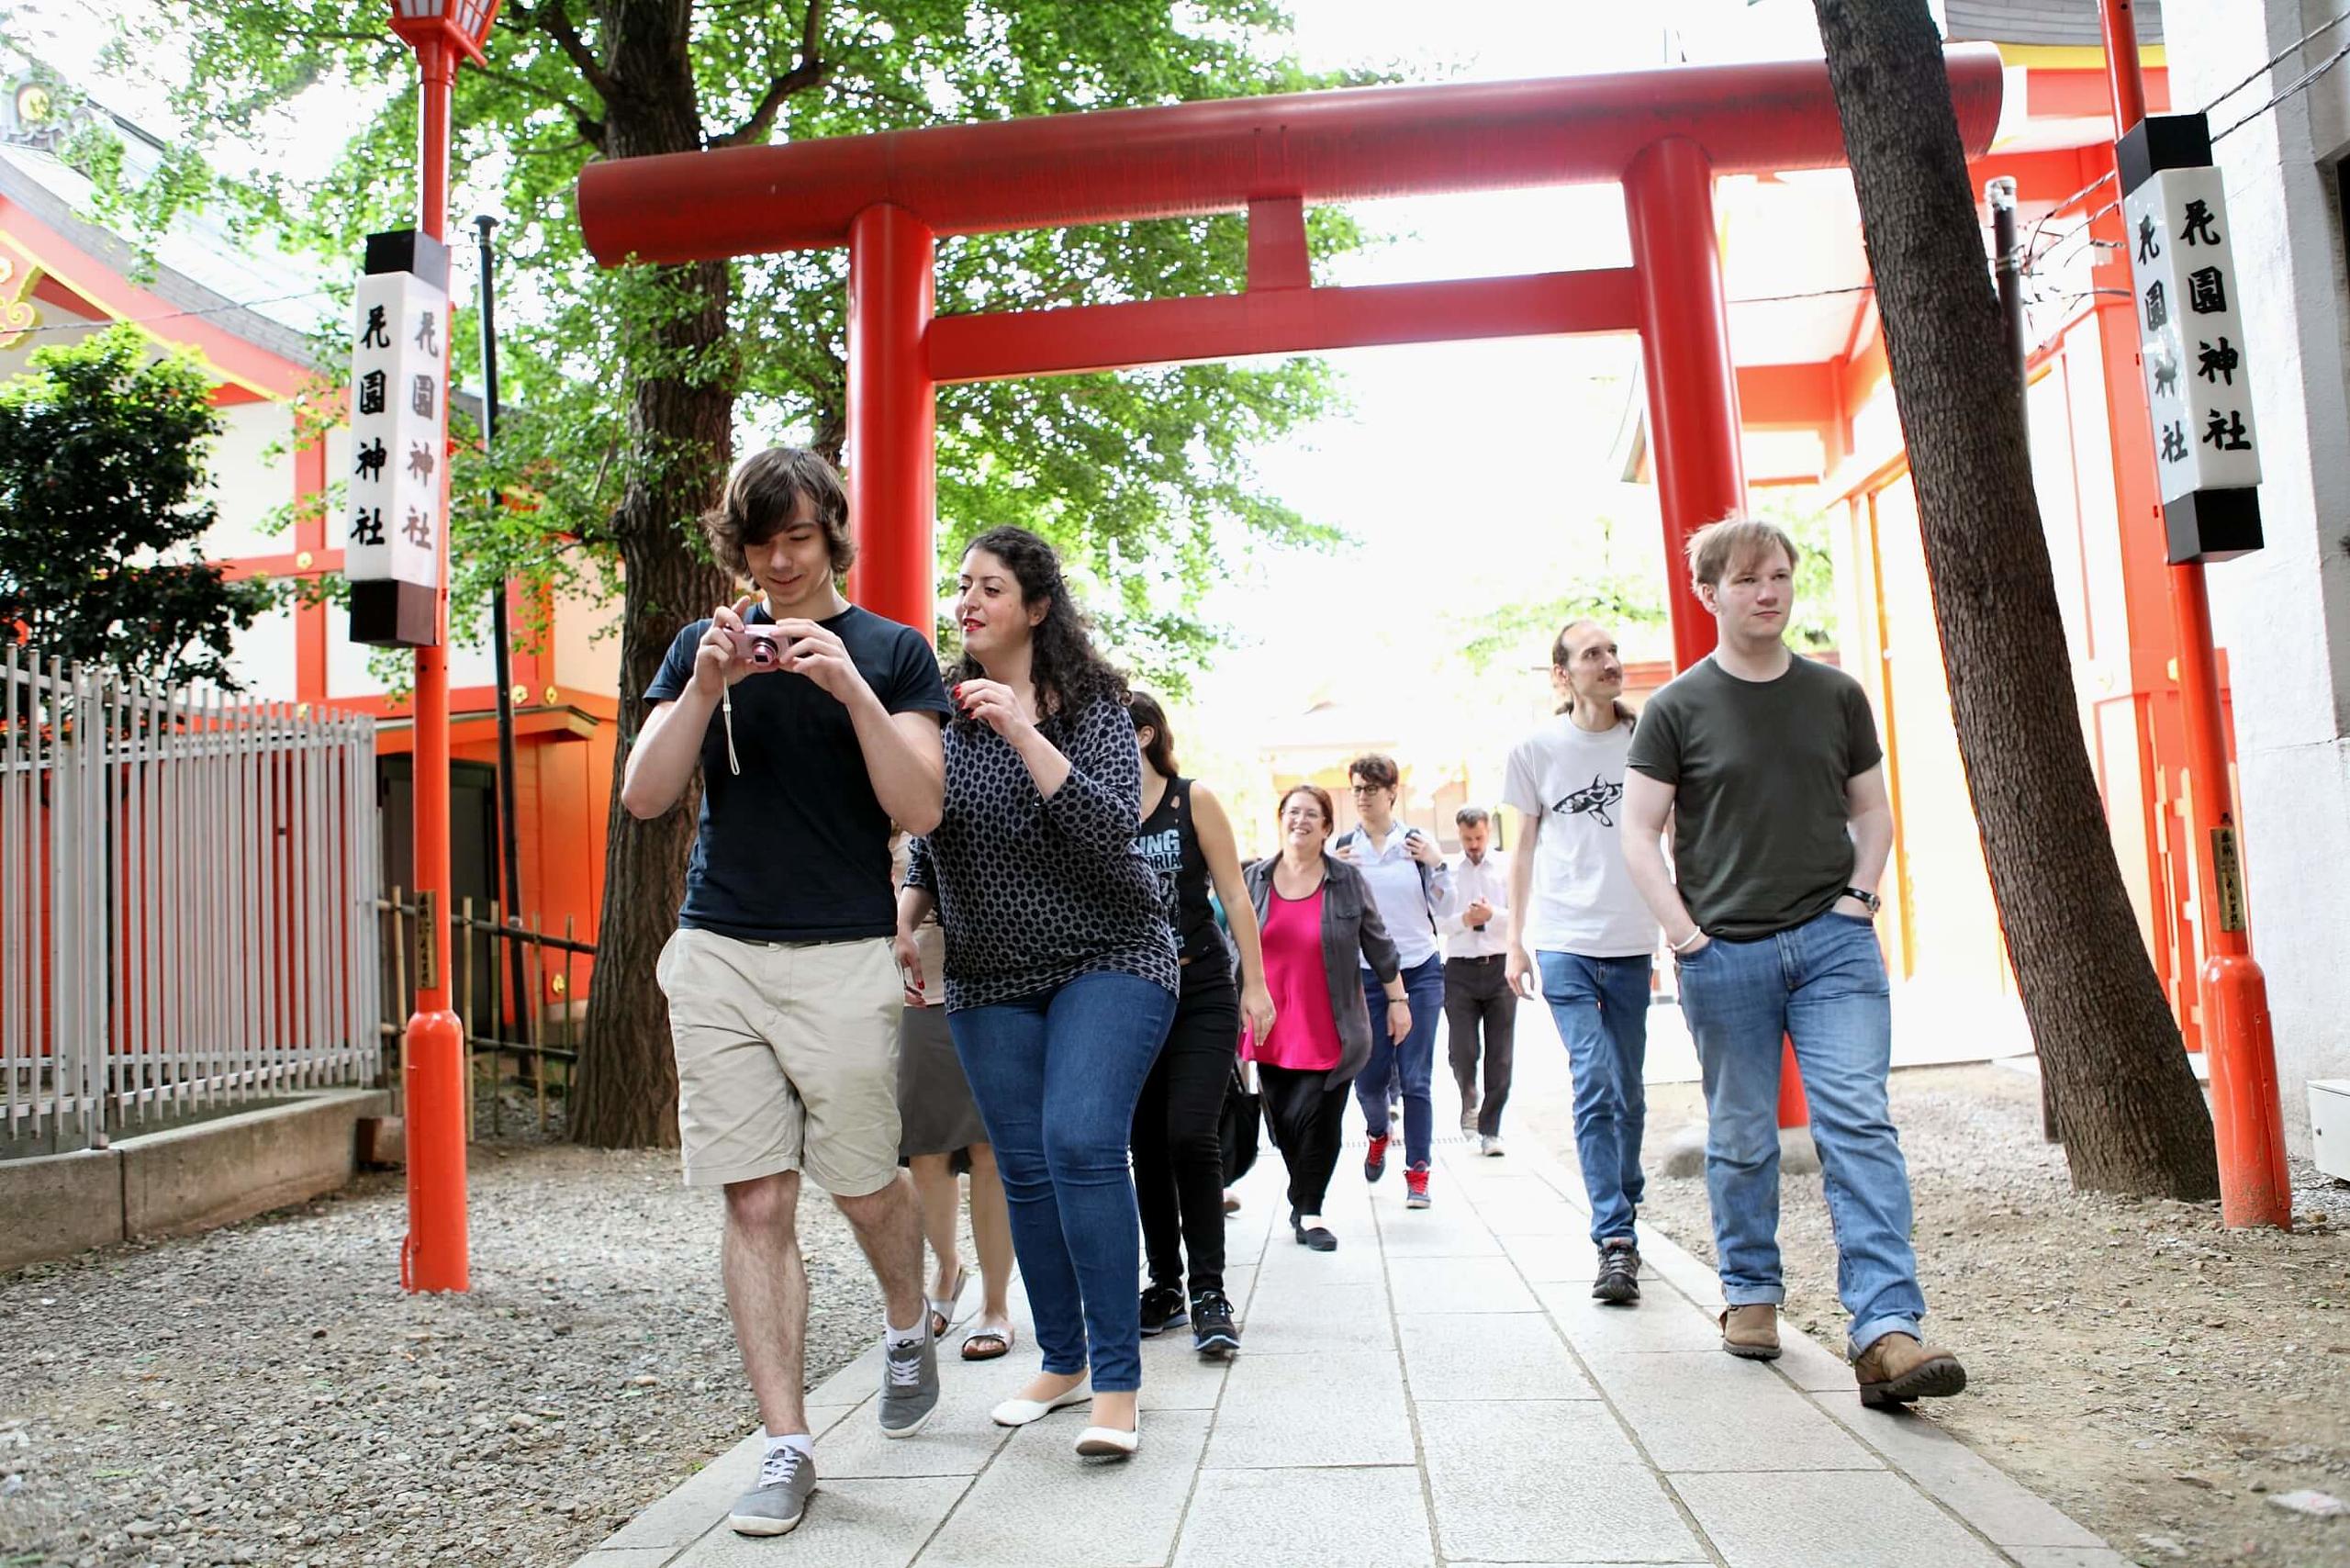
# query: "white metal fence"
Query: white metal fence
{"points": [[187, 903]]}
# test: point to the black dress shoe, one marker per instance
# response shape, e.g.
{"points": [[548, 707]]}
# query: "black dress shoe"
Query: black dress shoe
{"points": [[1318, 1238]]}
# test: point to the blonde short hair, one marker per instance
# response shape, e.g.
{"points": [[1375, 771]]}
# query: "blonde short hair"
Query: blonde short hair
{"points": [[1720, 548]]}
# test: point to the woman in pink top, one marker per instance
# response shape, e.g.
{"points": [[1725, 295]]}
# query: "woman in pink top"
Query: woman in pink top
{"points": [[1320, 926]]}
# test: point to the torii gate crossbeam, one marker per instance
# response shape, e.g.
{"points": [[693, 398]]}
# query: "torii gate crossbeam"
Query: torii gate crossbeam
{"points": [[1662, 134]]}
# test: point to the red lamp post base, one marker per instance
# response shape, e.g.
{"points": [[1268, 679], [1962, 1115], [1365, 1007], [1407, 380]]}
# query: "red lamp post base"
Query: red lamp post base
{"points": [[2255, 1186], [434, 1075]]}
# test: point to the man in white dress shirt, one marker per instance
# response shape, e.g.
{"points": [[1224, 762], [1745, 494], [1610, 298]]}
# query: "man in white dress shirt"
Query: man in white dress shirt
{"points": [[1480, 1005]]}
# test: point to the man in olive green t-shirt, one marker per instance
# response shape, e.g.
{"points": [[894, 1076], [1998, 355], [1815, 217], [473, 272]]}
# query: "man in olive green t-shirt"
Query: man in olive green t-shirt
{"points": [[1768, 768]]}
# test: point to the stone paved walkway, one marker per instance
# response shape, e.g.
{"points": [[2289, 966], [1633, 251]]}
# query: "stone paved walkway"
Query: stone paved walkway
{"points": [[1441, 1390]]}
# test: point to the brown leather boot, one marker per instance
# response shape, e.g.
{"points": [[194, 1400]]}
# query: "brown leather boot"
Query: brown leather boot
{"points": [[1751, 1331], [1896, 1369]]}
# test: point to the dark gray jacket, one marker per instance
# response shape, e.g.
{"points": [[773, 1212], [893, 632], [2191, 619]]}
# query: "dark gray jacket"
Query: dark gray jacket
{"points": [[1352, 935]]}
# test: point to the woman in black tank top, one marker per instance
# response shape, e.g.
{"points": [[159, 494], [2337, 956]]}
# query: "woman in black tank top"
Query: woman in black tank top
{"points": [[1178, 1153]]}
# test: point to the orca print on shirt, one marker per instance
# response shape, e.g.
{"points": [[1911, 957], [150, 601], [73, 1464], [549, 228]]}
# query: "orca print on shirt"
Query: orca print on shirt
{"points": [[1594, 799]]}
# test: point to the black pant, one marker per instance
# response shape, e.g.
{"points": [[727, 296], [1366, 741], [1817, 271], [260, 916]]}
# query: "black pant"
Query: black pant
{"points": [[1307, 1119], [1476, 991], [1178, 1143]]}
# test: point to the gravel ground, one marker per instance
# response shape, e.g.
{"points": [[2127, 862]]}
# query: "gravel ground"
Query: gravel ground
{"points": [[2163, 1379], [267, 1393]]}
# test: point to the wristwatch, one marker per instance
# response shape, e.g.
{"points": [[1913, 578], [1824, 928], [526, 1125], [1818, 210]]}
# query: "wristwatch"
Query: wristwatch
{"points": [[1870, 901]]}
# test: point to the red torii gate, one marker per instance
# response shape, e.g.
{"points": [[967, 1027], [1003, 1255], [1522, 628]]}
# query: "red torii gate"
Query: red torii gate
{"points": [[1662, 134]]}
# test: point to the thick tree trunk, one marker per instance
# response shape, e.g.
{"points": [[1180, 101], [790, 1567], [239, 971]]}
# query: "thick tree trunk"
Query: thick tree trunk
{"points": [[681, 410], [2135, 1118]]}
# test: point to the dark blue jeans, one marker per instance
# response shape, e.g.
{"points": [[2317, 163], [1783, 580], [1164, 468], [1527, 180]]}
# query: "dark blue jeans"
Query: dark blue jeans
{"points": [[1821, 985], [1601, 1006], [1424, 986], [1057, 1076]]}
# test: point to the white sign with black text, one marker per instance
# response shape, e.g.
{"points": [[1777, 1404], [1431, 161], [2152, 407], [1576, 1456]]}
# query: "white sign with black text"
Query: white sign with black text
{"points": [[392, 521], [2191, 333]]}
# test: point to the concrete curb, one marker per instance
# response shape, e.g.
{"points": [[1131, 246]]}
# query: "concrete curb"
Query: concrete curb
{"points": [[183, 1180]]}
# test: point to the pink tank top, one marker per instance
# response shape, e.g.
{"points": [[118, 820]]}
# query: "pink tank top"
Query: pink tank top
{"points": [[1305, 1034]]}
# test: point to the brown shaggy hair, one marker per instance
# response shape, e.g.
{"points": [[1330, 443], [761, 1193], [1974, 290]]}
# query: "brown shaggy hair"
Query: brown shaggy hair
{"points": [[761, 497]]}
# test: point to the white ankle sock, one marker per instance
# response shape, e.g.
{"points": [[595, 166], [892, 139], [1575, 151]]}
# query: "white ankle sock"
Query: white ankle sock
{"points": [[1309, 1222], [899, 1338], [800, 1440]]}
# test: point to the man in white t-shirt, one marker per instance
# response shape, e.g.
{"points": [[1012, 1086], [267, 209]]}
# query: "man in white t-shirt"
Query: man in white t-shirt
{"points": [[1573, 908]]}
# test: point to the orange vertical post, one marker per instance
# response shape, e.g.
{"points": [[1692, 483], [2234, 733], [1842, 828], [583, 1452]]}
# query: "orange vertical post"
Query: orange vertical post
{"points": [[1693, 399], [434, 1257], [892, 417], [2255, 1186]]}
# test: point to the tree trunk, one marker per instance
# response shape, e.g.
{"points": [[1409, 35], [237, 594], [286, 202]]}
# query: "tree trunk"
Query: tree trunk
{"points": [[2134, 1118], [682, 411]]}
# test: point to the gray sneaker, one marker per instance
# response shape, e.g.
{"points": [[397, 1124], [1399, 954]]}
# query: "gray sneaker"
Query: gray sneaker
{"points": [[779, 1500], [909, 1385]]}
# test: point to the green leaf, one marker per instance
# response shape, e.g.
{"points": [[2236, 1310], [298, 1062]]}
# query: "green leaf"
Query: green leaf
{"points": [[1144, 478], [103, 504]]}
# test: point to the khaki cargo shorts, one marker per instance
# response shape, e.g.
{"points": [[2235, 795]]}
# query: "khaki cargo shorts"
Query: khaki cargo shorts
{"points": [[786, 1059]]}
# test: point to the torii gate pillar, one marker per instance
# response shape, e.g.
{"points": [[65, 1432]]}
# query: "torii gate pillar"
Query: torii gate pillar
{"points": [[892, 416], [1693, 400]]}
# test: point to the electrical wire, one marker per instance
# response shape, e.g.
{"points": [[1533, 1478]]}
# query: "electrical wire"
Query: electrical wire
{"points": [[1808, 293], [2308, 77], [175, 315], [2277, 60]]}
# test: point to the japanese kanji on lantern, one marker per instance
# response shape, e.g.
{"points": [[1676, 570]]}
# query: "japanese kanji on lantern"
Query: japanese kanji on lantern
{"points": [[2191, 347], [391, 520]]}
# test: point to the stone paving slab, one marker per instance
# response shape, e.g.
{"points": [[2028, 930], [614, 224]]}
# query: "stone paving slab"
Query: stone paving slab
{"points": [[1356, 1401], [1307, 1518], [1968, 1485], [1705, 1410], [1857, 1519], [1042, 1506], [1457, 1285], [1543, 1479], [1663, 1321], [1441, 1391], [1485, 1356]]}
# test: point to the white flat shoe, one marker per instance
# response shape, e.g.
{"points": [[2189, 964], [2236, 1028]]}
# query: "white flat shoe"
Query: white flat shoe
{"points": [[1020, 1412], [1108, 1443]]}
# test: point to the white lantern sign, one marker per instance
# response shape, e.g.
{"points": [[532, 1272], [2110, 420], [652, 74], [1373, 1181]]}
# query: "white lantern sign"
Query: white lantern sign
{"points": [[2191, 340], [393, 528]]}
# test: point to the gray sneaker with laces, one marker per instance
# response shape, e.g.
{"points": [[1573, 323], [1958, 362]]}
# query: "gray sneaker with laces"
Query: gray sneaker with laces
{"points": [[909, 1384], [779, 1500]]}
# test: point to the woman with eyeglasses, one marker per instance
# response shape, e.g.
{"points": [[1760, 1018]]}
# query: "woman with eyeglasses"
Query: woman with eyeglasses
{"points": [[1319, 928], [1413, 889]]}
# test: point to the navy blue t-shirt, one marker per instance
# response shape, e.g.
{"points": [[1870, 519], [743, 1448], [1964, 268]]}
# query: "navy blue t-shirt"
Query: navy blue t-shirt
{"points": [[796, 847]]}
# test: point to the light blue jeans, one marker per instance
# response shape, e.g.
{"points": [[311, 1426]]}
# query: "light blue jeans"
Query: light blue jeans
{"points": [[1411, 1060], [1057, 1076], [1601, 1006], [1821, 984]]}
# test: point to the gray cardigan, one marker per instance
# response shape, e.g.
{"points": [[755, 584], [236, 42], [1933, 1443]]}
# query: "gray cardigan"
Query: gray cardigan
{"points": [[1352, 935]]}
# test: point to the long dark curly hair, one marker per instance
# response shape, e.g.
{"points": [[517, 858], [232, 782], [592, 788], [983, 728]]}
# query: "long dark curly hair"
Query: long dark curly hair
{"points": [[1068, 669]]}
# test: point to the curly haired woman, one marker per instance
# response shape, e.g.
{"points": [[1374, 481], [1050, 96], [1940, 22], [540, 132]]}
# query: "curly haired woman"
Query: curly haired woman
{"points": [[1062, 970]]}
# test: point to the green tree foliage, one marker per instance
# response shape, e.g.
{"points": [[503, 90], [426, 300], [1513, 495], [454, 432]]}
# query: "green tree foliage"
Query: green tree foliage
{"points": [[101, 505], [1143, 479]]}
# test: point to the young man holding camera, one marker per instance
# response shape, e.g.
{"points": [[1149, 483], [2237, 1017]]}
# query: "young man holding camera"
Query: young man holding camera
{"points": [[814, 726]]}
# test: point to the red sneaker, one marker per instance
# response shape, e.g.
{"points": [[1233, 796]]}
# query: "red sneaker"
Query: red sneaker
{"points": [[1416, 1187], [1374, 1164]]}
